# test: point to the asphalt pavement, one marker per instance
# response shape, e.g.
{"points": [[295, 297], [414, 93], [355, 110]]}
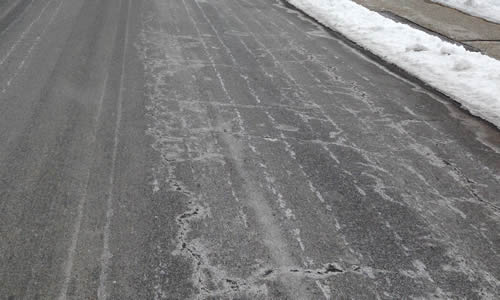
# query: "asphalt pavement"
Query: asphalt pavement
{"points": [[231, 149]]}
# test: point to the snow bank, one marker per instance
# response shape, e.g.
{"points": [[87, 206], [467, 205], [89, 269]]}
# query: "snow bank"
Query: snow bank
{"points": [[470, 78], [486, 9]]}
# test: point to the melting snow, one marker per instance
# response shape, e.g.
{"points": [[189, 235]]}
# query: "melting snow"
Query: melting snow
{"points": [[486, 9], [473, 79]]}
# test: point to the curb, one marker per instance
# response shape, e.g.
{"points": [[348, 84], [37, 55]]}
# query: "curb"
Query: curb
{"points": [[12, 12], [390, 66], [401, 19]]}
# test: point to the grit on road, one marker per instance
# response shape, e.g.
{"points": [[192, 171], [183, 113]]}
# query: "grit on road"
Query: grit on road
{"points": [[234, 149]]}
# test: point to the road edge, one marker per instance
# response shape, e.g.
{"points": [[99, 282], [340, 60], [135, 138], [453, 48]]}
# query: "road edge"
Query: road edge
{"points": [[397, 70]]}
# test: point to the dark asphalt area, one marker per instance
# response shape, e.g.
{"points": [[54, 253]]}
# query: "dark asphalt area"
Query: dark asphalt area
{"points": [[231, 149]]}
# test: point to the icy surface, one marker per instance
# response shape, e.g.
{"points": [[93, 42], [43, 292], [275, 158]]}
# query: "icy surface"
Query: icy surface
{"points": [[472, 79], [486, 9]]}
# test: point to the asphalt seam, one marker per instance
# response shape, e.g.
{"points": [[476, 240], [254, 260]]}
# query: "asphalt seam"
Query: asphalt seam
{"points": [[106, 253], [81, 205], [68, 270]]}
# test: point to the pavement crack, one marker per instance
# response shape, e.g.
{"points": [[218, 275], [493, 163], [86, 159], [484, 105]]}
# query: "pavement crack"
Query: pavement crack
{"points": [[470, 185], [333, 269]]}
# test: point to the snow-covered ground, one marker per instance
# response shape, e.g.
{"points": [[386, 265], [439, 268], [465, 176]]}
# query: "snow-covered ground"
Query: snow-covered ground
{"points": [[470, 78], [486, 9]]}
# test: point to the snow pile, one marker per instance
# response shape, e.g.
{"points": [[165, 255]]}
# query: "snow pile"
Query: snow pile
{"points": [[470, 78], [486, 9]]}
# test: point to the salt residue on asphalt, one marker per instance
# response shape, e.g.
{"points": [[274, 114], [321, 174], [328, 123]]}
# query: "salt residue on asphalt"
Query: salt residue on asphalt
{"points": [[486, 9], [470, 78]]}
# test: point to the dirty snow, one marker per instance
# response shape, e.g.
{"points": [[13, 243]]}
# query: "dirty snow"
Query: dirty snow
{"points": [[473, 79], [486, 9]]}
